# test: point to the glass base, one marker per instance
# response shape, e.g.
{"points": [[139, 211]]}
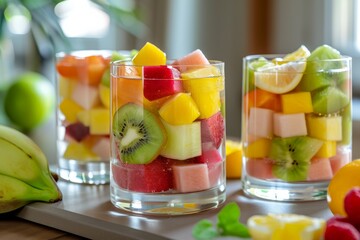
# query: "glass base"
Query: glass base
{"points": [[96, 172], [283, 191], [167, 203]]}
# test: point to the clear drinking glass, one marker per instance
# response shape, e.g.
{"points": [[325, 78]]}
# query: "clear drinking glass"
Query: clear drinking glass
{"points": [[83, 115], [296, 125], [167, 137]]}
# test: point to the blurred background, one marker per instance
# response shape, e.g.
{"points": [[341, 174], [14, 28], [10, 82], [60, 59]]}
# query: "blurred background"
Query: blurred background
{"points": [[32, 31]]}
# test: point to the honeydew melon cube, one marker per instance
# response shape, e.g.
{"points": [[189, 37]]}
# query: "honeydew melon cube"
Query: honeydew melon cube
{"points": [[328, 128], [191, 177], [102, 148], [299, 102], [86, 96], [258, 149], [320, 169], [183, 141], [179, 109], [70, 109], [261, 122], [148, 55], [79, 151], [328, 149], [100, 121], [289, 125]]}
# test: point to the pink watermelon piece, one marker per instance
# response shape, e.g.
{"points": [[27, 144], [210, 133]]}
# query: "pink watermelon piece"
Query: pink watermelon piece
{"points": [[320, 169], [161, 81], [191, 177], [196, 57], [259, 168], [77, 131], [342, 157], [214, 161], [212, 129], [147, 178]]}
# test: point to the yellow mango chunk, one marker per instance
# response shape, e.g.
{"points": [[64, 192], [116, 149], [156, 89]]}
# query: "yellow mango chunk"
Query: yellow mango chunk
{"points": [[149, 55], [99, 121], [258, 149], [328, 149], [66, 87], [70, 110], [324, 128], [233, 159], [180, 109], [104, 93], [299, 102], [84, 117], [79, 151], [207, 78]]}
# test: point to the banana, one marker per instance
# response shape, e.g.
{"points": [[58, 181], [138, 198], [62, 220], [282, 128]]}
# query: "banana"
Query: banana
{"points": [[24, 172]]}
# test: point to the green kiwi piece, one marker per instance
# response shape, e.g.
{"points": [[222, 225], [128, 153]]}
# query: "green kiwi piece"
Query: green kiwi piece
{"points": [[323, 70], [292, 156], [329, 100], [139, 134], [250, 68]]}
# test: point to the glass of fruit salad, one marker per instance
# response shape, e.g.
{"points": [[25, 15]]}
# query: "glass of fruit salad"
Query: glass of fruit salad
{"points": [[167, 133], [83, 115], [296, 122]]}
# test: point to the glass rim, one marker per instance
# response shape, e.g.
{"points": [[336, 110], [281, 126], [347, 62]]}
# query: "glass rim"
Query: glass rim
{"points": [[169, 62], [274, 56]]}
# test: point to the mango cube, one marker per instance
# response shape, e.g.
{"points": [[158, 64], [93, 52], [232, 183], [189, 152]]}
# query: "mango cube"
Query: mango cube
{"points": [[299, 102], [258, 149], [99, 121], [104, 93], [148, 55], [70, 109], [208, 103], [66, 86], [261, 122], [180, 109], [289, 125], [328, 149], [325, 128], [79, 151]]}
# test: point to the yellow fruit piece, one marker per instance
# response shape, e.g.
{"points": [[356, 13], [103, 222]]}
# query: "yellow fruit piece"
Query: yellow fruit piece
{"points": [[280, 78], [328, 149], [66, 87], [344, 179], [104, 93], [208, 78], [325, 128], [258, 149], [70, 110], [300, 54], [180, 109], [79, 151], [99, 121], [149, 55], [233, 159], [285, 226], [299, 102]]}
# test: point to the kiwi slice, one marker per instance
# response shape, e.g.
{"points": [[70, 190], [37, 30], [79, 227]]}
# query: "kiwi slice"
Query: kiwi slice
{"points": [[329, 100], [139, 134], [292, 156]]}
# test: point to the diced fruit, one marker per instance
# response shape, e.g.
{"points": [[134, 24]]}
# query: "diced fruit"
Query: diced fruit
{"points": [[180, 103], [292, 156], [79, 151], [138, 134], [66, 87], [302, 53], [148, 178], [149, 55], [77, 131], [213, 159], [96, 66], [346, 122], [329, 100], [281, 78], [299, 102], [352, 206], [260, 122], [102, 148], [289, 125], [328, 149], [342, 157], [86, 96], [325, 128], [160, 81], [183, 141], [208, 78], [196, 57], [262, 99], [104, 93], [336, 230], [233, 159], [320, 169], [70, 109], [208, 103], [99, 121], [191, 177], [260, 168], [213, 129], [258, 149], [84, 117], [126, 90], [249, 70]]}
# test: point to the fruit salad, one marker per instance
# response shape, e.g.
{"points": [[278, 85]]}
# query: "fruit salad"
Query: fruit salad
{"points": [[167, 123], [296, 124]]}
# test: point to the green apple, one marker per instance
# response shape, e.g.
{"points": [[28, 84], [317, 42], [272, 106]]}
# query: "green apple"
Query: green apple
{"points": [[29, 100]]}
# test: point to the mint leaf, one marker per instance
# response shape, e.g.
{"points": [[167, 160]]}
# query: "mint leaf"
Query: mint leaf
{"points": [[204, 230], [229, 222]]}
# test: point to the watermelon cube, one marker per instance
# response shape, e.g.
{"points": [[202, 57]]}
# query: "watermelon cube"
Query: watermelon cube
{"points": [[160, 81], [147, 178], [320, 169], [342, 157], [213, 159], [260, 168], [196, 57], [289, 125], [191, 177], [212, 129]]}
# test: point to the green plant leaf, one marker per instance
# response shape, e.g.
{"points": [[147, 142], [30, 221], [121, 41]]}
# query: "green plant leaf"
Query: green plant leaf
{"points": [[204, 230]]}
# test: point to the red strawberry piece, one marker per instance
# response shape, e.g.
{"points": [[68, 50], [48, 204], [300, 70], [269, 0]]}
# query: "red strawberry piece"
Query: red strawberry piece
{"points": [[153, 177], [161, 81], [352, 205], [77, 131], [338, 230], [212, 129]]}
